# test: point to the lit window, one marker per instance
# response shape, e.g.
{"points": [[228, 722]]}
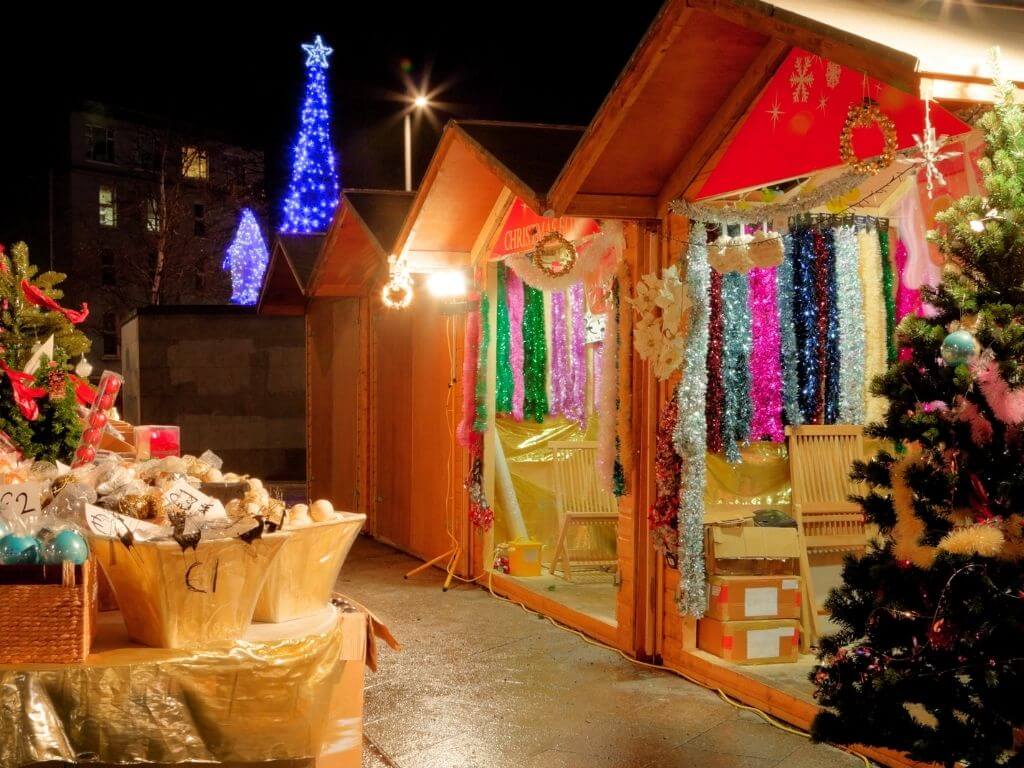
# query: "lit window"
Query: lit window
{"points": [[99, 143], [199, 217], [152, 215], [108, 271], [108, 206], [110, 340], [194, 163]]}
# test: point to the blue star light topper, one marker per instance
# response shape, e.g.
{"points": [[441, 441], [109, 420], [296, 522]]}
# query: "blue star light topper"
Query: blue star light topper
{"points": [[317, 53]]}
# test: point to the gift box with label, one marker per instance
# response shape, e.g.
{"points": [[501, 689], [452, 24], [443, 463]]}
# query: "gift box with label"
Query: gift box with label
{"points": [[772, 641], [741, 598]]}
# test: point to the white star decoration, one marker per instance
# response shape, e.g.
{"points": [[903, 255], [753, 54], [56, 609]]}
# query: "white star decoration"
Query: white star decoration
{"points": [[775, 112], [317, 53], [931, 155]]}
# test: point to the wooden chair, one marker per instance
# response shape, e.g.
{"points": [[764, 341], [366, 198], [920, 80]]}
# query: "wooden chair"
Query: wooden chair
{"points": [[581, 504], [820, 459]]}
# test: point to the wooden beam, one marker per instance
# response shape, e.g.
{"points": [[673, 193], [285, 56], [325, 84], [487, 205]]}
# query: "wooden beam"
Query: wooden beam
{"points": [[894, 67], [613, 207], [714, 140], [628, 87]]}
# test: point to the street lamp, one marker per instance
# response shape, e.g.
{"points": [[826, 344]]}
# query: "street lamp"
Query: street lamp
{"points": [[419, 103]]}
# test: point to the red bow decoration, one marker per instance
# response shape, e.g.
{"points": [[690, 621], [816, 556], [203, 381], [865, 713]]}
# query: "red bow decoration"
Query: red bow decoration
{"points": [[84, 391], [35, 296], [25, 395]]}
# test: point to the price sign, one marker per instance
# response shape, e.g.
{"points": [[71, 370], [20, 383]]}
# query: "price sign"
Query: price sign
{"points": [[20, 501], [111, 525], [182, 497]]}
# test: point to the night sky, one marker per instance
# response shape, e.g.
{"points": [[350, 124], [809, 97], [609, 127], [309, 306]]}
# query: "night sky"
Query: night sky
{"points": [[549, 62]]}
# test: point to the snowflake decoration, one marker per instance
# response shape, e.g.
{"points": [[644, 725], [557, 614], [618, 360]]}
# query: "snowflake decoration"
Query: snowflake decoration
{"points": [[775, 112], [802, 78], [832, 74], [823, 103], [930, 148]]}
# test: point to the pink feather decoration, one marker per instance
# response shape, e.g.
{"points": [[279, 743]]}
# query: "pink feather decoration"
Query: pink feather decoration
{"points": [[515, 300], [981, 429], [1006, 403]]}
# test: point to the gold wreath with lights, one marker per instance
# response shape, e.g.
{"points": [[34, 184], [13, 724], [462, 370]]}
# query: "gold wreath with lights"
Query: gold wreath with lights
{"points": [[866, 115], [553, 248]]}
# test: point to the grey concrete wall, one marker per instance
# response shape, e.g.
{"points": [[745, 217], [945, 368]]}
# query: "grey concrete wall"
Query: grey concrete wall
{"points": [[232, 380]]}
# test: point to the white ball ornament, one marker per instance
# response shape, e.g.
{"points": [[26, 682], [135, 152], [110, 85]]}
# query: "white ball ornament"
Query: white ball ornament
{"points": [[214, 476], [298, 516], [321, 511]]}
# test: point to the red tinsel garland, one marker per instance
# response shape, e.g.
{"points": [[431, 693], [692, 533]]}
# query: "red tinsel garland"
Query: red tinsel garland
{"points": [[821, 280], [715, 398], [664, 514], [467, 437]]}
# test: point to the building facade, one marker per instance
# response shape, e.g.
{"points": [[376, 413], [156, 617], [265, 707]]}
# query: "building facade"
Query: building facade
{"points": [[142, 210]]}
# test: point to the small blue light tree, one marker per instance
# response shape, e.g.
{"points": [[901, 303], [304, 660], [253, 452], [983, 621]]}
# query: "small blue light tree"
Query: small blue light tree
{"points": [[313, 191], [246, 260]]}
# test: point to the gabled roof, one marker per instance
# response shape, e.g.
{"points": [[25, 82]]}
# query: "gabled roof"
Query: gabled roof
{"points": [[288, 273], [474, 164], [703, 64], [353, 259]]}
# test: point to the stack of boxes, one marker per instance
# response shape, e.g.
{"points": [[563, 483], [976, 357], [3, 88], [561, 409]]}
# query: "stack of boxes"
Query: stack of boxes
{"points": [[754, 595]]}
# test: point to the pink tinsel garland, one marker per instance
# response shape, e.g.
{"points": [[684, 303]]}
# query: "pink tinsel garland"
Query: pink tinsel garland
{"points": [[1006, 403], [908, 300], [765, 362], [606, 396], [561, 365], [465, 433], [576, 404], [514, 299]]}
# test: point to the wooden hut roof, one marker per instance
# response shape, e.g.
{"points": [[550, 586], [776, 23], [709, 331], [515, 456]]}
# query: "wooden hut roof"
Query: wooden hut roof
{"points": [[362, 235], [475, 162], [286, 283], [703, 64]]}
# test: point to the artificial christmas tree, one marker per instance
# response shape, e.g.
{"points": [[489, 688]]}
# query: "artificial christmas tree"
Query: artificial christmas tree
{"points": [[313, 190], [930, 655], [38, 408], [246, 260]]}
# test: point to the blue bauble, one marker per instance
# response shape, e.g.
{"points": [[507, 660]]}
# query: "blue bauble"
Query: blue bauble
{"points": [[959, 347], [19, 550], [66, 545]]}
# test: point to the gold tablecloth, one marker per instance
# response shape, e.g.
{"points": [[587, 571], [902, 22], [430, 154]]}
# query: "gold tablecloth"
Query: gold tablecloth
{"points": [[265, 697]]}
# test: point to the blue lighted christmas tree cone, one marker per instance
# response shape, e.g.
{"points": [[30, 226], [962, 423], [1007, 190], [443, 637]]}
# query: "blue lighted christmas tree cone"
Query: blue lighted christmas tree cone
{"points": [[313, 191], [246, 260]]}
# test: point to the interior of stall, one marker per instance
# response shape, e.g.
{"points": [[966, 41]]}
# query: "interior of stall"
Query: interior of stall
{"points": [[545, 430], [806, 246]]}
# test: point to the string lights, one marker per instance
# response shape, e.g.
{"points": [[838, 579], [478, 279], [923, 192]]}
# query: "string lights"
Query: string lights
{"points": [[397, 292], [246, 260], [313, 191]]}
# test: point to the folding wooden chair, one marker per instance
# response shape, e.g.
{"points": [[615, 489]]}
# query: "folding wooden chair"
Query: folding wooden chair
{"points": [[820, 460], [581, 504]]}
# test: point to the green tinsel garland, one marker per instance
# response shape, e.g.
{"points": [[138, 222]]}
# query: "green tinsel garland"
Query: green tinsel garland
{"points": [[536, 356], [480, 422], [503, 371], [889, 295]]}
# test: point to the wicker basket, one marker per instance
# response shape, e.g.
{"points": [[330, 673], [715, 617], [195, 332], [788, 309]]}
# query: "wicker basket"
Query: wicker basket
{"points": [[47, 613]]}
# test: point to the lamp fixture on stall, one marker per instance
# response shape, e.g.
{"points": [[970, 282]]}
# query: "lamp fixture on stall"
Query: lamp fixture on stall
{"points": [[420, 102]]}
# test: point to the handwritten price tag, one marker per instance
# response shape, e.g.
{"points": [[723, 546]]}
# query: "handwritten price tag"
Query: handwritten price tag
{"points": [[182, 497], [20, 500], [111, 525]]}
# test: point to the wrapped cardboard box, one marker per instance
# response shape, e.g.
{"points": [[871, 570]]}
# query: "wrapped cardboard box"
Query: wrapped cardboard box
{"points": [[773, 641], [751, 550], [742, 598]]}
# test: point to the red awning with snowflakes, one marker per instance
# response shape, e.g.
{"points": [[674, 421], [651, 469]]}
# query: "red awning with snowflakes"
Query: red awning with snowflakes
{"points": [[793, 128]]}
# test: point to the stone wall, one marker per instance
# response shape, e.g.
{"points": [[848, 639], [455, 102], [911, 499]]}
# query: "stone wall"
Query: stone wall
{"points": [[232, 380]]}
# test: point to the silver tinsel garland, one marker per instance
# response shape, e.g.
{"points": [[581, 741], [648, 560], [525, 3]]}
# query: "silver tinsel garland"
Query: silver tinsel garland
{"points": [[736, 346], [850, 302], [784, 297], [690, 435]]}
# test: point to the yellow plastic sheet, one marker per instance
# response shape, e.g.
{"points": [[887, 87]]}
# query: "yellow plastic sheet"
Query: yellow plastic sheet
{"points": [[760, 481], [265, 697], [526, 446]]}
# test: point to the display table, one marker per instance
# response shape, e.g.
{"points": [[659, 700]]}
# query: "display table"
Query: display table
{"points": [[285, 692]]}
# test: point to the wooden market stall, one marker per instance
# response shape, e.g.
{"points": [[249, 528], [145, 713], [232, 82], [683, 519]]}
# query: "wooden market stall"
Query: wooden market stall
{"points": [[694, 117]]}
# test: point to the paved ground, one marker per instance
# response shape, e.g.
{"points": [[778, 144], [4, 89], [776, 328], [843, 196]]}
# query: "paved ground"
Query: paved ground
{"points": [[483, 684]]}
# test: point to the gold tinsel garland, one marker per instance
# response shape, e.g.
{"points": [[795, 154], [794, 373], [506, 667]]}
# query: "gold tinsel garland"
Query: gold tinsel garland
{"points": [[865, 115]]}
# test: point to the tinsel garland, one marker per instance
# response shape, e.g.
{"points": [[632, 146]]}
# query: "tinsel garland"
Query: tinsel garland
{"points": [[481, 515], [908, 300], [690, 435], [889, 295], [465, 432], [624, 368], [663, 515], [560, 365], [503, 364], [850, 306], [874, 320], [787, 332], [607, 425], [830, 344], [736, 343], [535, 405], [480, 421], [715, 399], [576, 398], [821, 281], [805, 321], [765, 360], [514, 286]]}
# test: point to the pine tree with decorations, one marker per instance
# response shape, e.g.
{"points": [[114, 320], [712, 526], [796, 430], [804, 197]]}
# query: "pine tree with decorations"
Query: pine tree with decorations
{"points": [[313, 191], [38, 410], [930, 655]]}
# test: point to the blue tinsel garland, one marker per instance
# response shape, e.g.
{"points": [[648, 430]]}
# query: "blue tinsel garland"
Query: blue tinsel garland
{"points": [[805, 321], [787, 330]]}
